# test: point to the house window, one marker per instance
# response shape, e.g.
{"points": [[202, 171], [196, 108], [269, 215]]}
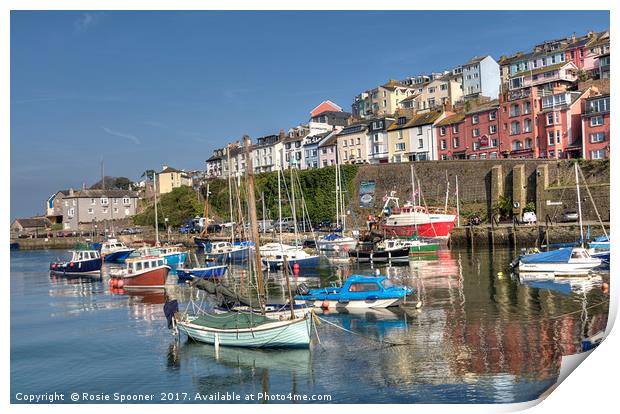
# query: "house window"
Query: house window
{"points": [[376, 137], [90, 211], [71, 212], [516, 145], [514, 110], [420, 130], [558, 138], [444, 157], [527, 125], [550, 138], [550, 118], [597, 154], [359, 141], [483, 156], [493, 155], [527, 107], [476, 146], [475, 119], [472, 157], [104, 201], [116, 201], [116, 209], [104, 210], [596, 120], [444, 144], [528, 143], [455, 129], [400, 146], [384, 103], [492, 129], [92, 201], [442, 130], [475, 132], [492, 115], [494, 142], [420, 143], [515, 128], [351, 142], [597, 137], [344, 143], [455, 142]]}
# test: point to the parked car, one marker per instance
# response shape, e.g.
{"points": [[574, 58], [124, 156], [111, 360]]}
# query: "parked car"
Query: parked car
{"points": [[286, 223], [324, 225], [569, 215], [265, 226], [214, 228]]}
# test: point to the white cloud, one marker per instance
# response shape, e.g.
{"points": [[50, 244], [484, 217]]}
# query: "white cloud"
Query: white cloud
{"points": [[86, 20], [130, 137]]}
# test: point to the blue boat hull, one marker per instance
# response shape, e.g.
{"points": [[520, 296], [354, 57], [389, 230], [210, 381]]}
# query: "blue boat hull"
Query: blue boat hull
{"points": [[118, 257], [91, 266], [204, 273], [236, 256], [310, 262], [175, 259]]}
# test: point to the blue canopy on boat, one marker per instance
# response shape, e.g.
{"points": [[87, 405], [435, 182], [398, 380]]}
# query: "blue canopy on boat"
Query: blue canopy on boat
{"points": [[554, 256], [601, 239], [332, 237]]}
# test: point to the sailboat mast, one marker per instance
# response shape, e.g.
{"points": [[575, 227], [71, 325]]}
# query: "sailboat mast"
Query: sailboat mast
{"points": [[579, 204], [412, 185], [293, 209], [232, 225], [342, 207], [280, 206], [249, 171], [445, 207], [337, 195], [155, 200], [205, 231], [458, 205]]}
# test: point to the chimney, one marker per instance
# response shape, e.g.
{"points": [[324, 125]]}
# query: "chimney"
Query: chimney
{"points": [[71, 192], [164, 166]]}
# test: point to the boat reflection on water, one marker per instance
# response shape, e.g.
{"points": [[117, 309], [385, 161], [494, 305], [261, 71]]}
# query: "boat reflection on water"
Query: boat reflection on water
{"points": [[376, 323], [563, 285]]}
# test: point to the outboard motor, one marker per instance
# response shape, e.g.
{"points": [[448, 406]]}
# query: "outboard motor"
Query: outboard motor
{"points": [[302, 289]]}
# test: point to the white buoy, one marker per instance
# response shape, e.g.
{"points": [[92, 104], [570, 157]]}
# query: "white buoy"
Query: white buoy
{"points": [[377, 272], [418, 305]]}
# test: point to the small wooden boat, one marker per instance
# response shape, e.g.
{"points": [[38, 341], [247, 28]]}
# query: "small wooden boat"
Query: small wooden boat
{"points": [[83, 262], [209, 272], [357, 292], [146, 272], [115, 251], [241, 329]]}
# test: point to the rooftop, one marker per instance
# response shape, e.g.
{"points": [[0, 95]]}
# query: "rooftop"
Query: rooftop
{"points": [[113, 193]]}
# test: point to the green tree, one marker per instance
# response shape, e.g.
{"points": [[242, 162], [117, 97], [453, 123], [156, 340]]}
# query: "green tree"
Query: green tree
{"points": [[178, 205]]}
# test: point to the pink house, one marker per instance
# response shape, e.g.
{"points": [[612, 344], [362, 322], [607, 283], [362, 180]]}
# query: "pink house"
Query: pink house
{"points": [[328, 149]]}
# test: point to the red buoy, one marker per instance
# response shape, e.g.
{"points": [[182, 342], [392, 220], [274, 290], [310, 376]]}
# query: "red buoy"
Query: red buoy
{"points": [[296, 268], [71, 264], [120, 283], [605, 287]]}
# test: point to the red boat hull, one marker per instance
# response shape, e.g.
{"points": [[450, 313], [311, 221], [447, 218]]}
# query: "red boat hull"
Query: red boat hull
{"points": [[440, 229], [155, 278]]}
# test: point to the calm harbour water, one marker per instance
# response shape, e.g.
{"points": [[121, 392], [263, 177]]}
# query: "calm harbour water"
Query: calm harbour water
{"points": [[478, 338]]}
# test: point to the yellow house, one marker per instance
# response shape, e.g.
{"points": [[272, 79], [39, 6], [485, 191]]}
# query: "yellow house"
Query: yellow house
{"points": [[170, 178], [398, 139], [382, 100], [352, 144]]}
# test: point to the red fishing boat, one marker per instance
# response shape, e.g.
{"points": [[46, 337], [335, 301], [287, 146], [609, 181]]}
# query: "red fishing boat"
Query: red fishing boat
{"points": [[410, 220], [146, 272]]}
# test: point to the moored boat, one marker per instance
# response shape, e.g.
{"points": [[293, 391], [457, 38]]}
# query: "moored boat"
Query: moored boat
{"points": [[295, 257], [209, 272], [566, 261], [239, 329], [83, 262], [389, 250], [357, 292], [411, 220], [145, 272], [113, 250], [334, 241]]}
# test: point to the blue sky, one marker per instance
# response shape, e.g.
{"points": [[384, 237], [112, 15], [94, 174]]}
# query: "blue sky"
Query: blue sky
{"points": [[139, 89]]}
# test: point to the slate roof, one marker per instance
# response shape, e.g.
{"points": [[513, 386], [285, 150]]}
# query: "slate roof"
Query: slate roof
{"points": [[543, 69], [452, 119], [34, 222], [330, 141], [170, 170], [417, 120], [474, 60], [485, 106], [112, 193]]}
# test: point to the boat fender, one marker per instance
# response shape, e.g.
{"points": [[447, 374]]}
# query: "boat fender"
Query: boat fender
{"points": [[71, 264], [296, 268], [325, 304], [605, 288], [120, 283]]}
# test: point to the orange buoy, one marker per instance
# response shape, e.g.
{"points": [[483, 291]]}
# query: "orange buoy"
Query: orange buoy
{"points": [[120, 283], [71, 264], [296, 268], [325, 304], [605, 287]]}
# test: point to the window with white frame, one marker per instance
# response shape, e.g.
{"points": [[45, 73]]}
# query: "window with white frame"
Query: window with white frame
{"points": [[71, 212], [455, 142], [475, 132], [400, 134], [493, 155], [516, 145], [550, 118], [455, 129], [420, 130], [492, 115], [420, 143], [93, 201], [400, 146], [492, 129], [514, 110], [515, 128], [527, 125], [596, 120], [597, 137], [528, 143], [104, 201], [527, 107], [475, 119], [476, 145], [558, 136], [91, 211], [550, 140], [442, 130], [444, 144], [598, 154]]}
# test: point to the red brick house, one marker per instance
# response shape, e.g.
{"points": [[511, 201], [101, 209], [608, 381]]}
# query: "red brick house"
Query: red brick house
{"points": [[595, 127]]}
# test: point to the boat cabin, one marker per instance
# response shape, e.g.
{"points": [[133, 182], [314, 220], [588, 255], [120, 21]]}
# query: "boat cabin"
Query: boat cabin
{"points": [[144, 263], [367, 284], [80, 255]]}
